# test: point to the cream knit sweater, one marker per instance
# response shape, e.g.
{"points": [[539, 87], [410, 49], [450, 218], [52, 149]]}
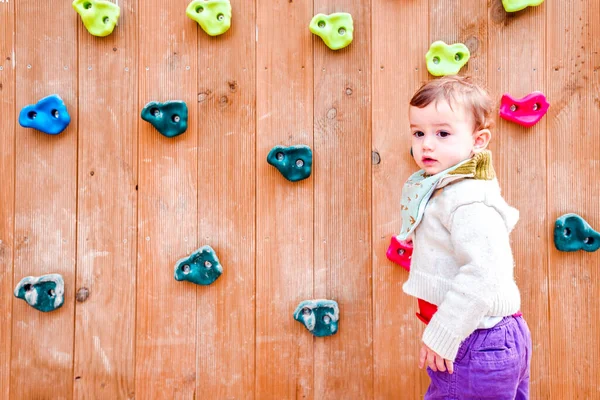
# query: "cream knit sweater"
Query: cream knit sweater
{"points": [[462, 261]]}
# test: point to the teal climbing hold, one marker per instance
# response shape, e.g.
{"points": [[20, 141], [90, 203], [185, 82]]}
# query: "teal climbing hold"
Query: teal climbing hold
{"points": [[169, 118], [320, 317], [99, 16], [572, 233], [45, 293], [443, 59], [518, 5], [49, 115], [213, 16], [294, 162], [336, 29], [202, 267]]}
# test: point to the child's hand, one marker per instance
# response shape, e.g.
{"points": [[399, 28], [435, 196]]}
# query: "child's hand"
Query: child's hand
{"points": [[434, 361]]}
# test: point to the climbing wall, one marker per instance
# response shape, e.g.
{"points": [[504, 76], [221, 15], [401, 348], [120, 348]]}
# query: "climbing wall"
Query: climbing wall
{"points": [[111, 204]]}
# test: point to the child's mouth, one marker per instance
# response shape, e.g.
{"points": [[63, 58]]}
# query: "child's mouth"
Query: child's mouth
{"points": [[428, 161]]}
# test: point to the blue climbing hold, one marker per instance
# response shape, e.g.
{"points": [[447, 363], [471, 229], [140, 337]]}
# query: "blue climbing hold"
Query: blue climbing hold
{"points": [[49, 115], [45, 293], [294, 162], [320, 317], [572, 233], [202, 267], [169, 118]]}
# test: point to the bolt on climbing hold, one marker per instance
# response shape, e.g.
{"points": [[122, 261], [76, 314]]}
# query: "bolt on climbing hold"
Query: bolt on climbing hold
{"points": [[400, 252], [169, 118], [518, 5], [45, 293], [202, 267], [572, 233], [526, 111], [99, 16], [294, 162], [49, 115], [320, 317], [213, 16], [443, 59], [335, 29]]}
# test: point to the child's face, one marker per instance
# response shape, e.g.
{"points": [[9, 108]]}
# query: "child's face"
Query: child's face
{"points": [[442, 136]]}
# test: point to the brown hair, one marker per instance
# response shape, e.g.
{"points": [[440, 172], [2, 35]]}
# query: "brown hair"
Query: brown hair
{"points": [[455, 90]]}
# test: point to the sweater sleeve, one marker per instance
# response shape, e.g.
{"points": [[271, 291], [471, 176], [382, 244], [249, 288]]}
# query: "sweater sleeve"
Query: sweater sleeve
{"points": [[480, 241]]}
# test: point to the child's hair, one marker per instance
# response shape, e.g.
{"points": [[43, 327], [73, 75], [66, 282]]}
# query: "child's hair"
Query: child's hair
{"points": [[455, 90]]}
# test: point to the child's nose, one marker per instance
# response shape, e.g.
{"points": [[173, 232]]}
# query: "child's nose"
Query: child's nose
{"points": [[428, 143]]}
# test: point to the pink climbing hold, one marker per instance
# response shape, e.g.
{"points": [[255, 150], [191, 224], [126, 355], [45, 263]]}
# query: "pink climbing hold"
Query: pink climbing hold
{"points": [[526, 111], [400, 252]]}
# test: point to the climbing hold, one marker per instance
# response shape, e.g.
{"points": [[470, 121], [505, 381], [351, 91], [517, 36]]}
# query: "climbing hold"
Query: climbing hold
{"points": [[526, 111], [320, 317], [517, 5], [335, 29], [45, 293], [400, 252], [214, 16], [294, 162], [443, 59], [99, 16], [572, 233], [49, 115], [202, 267], [169, 118]]}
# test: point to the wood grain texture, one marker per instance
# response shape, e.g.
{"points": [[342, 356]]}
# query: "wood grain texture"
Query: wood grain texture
{"points": [[46, 199], [343, 363], [107, 211], [285, 212], [573, 69], [167, 207], [7, 192], [399, 69], [517, 67], [226, 128]]}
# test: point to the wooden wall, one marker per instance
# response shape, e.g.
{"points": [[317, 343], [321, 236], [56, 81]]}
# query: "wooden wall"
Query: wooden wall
{"points": [[111, 204]]}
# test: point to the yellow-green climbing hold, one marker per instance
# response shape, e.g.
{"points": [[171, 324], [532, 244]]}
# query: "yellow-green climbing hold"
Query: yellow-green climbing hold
{"points": [[99, 16], [336, 29], [518, 5], [443, 59], [214, 16]]}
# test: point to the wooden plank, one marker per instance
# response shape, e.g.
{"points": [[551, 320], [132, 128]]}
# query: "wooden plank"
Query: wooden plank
{"points": [[520, 161], [46, 193], [573, 69], [343, 365], [398, 71], [107, 214], [167, 207], [226, 204], [7, 194], [284, 268]]}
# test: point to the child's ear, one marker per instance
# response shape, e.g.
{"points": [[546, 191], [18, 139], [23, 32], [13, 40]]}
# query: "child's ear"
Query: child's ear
{"points": [[481, 139]]}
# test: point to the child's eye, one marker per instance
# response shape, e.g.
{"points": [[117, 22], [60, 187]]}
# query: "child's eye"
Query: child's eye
{"points": [[444, 134], [419, 134]]}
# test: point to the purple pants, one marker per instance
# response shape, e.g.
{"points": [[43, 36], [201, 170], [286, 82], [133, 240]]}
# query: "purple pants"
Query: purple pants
{"points": [[490, 364]]}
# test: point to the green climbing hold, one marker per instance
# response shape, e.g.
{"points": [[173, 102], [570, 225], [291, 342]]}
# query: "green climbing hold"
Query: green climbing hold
{"points": [[98, 16], [572, 233], [169, 118], [214, 16], [335, 29], [443, 59], [45, 293], [294, 162], [202, 267], [320, 317], [518, 5]]}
